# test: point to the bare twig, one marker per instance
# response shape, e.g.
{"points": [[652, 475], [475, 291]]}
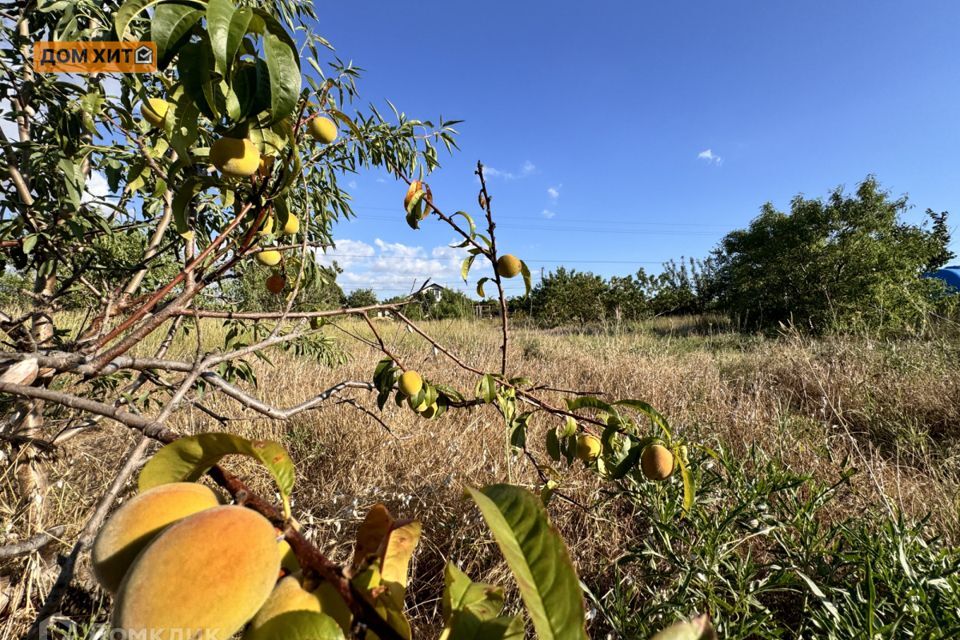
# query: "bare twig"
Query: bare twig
{"points": [[33, 544], [492, 256]]}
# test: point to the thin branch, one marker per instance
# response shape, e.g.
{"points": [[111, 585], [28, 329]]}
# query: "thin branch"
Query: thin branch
{"points": [[263, 408], [132, 462], [492, 256], [293, 315], [32, 544]]}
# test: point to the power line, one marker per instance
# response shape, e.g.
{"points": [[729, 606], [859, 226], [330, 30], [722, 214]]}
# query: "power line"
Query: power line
{"points": [[505, 224], [566, 219], [334, 256]]}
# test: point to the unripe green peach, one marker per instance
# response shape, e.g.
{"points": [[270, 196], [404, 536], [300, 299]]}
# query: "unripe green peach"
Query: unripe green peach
{"points": [[287, 596], [154, 110], [202, 578], [235, 157], [588, 447], [288, 559], [322, 129], [656, 462], [508, 266], [429, 412], [410, 383], [137, 522]]}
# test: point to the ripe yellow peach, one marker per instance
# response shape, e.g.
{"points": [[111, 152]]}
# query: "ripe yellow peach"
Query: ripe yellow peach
{"points": [[154, 110], [203, 578], [508, 266], [588, 447], [322, 129], [292, 226], [137, 522], [235, 157], [410, 383], [269, 258], [656, 462]]}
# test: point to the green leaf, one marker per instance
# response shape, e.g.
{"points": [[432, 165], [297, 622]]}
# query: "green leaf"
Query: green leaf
{"points": [[525, 272], [466, 216], [480, 284], [465, 267], [128, 12], [284, 68], [400, 544], [466, 626], [332, 604], [171, 22], [301, 625], [462, 594], [569, 428], [553, 444], [29, 242], [487, 388], [689, 488], [73, 180], [589, 402], [538, 559], [188, 458], [649, 411], [193, 65], [227, 26], [181, 203], [182, 128]]}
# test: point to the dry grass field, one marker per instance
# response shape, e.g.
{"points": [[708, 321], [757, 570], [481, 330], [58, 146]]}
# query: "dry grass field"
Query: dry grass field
{"points": [[767, 410]]}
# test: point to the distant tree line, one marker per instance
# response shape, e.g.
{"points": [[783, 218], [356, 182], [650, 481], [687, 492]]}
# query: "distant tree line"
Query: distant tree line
{"points": [[846, 262], [841, 263]]}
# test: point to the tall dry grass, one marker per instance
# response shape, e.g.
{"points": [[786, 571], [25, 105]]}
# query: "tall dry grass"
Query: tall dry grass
{"points": [[892, 408]]}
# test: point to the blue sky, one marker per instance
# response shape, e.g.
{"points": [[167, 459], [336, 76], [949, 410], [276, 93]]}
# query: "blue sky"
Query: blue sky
{"points": [[620, 135]]}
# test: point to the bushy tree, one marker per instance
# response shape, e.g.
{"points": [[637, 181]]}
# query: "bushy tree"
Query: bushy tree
{"points": [[361, 298], [451, 304], [569, 296], [834, 263], [320, 291]]}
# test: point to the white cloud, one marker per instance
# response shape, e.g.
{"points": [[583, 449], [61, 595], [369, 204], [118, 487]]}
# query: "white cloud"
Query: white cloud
{"points": [[394, 268], [352, 184], [95, 187], [346, 253], [554, 192], [710, 157], [527, 169], [546, 213]]}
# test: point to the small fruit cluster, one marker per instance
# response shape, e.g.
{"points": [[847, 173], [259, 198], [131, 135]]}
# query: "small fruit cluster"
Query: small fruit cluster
{"points": [[181, 565], [241, 157], [411, 386], [656, 461]]}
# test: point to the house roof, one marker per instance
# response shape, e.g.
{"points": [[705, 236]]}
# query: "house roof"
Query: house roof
{"points": [[950, 275]]}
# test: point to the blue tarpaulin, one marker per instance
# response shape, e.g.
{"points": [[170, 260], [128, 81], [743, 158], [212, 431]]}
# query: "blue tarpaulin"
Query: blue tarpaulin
{"points": [[950, 275]]}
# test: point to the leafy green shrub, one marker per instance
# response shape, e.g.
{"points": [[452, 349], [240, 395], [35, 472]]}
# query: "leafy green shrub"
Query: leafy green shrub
{"points": [[847, 262], [759, 556]]}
